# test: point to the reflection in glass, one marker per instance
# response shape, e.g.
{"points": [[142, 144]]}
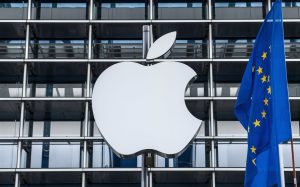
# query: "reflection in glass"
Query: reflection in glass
{"points": [[120, 11], [233, 48], [52, 128], [238, 10], [8, 156], [195, 90], [120, 49], [59, 10], [103, 157], [58, 49], [180, 10], [227, 154], [56, 80], [230, 128], [11, 89], [227, 89], [193, 156], [55, 90], [11, 48], [9, 129], [11, 77], [189, 49], [52, 155], [13, 9]]}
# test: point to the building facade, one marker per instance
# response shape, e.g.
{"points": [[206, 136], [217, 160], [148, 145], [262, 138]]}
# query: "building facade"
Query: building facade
{"points": [[51, 53]]}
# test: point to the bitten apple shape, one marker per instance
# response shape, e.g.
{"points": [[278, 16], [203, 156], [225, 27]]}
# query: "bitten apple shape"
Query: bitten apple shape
{"points": [[141, 108]]}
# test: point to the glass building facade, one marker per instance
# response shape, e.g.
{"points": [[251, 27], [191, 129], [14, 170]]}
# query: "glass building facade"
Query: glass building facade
{"points": [[51, 53]]}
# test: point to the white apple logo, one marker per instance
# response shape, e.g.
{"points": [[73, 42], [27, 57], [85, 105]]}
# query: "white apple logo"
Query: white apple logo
{"points": [[141, 108]]}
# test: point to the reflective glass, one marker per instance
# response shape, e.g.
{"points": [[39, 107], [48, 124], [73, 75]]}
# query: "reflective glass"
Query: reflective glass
{"points": [[58, 49], [52, 128], [9, 128], [227, 154], [238, 10], [52, 155], [59, 10], [13, 10], [8, 156], [56, 80], [192, 10], [12, 48], [118, 49], [189, 49], [120, 11]]}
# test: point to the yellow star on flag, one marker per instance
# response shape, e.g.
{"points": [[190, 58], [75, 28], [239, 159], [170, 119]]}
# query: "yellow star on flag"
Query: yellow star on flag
{"points": [[259, 70], [269, 90], [266, 101], [263, 114], [264, 55], [263, 79], [253, 68], [253, 149], [256, 123], [254, 161]]}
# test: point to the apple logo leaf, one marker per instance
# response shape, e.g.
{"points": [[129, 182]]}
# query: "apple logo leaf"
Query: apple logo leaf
{"points": [[161, 46]]}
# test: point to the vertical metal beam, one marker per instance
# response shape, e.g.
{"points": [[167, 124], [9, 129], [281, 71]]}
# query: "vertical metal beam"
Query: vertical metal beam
{"points": [[269, 5], [83, 178], [144, 169], [26, 57], [209, 9], [151, 9], [150, 179], [85, 153], [17, 180], [146, 39], [29, 7], [91, 9], [21, 128], [18, 164], [88, 84], [212, 94], [213, 179]]}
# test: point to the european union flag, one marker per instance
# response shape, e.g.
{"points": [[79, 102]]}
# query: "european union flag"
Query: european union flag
{"points": [[262, 106]]}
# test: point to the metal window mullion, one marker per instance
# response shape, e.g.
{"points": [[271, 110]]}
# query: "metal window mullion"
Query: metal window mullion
{"points": [[90, 41], [29, 8], [88, 83], [18, 164], [269, 5], [86, 122], [26, 57], [17, 180], [212, 94], [209, 9], [150, 179], [91, 9], [90, 38], [83, 179], [19, 146], [213, 179], [22, 112], [151, 9]]}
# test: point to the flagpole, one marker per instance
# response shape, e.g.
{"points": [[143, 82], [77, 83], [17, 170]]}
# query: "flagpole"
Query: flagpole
{"points": [[293, 162], [280, 146]]}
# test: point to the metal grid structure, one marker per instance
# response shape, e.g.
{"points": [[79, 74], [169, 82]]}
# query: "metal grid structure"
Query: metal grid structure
{"points": [[50, 58]]}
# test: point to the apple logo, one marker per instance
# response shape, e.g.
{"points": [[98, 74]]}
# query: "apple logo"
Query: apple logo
{"points": [[141, 108]]}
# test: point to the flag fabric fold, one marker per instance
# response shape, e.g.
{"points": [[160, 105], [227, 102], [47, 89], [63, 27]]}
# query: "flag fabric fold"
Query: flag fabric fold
{"points": [[262, 106]]}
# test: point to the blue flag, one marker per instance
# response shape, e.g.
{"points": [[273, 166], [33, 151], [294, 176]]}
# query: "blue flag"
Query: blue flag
{"points": [[262, 106]]}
